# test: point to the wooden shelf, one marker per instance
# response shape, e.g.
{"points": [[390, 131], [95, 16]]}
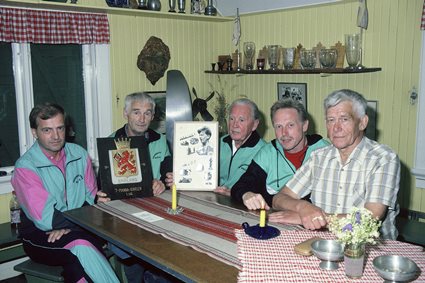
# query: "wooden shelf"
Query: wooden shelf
{"points": [[298, 71], [40, 4]]}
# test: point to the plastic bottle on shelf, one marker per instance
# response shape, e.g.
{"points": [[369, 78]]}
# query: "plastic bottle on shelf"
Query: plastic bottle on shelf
{"points": [[15, 213]]}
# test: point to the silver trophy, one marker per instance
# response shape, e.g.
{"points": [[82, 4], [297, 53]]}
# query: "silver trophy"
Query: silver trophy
{"points": [[172, 4], [181, 5]]}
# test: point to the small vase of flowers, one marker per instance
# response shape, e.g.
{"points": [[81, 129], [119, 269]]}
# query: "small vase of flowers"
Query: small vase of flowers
{"points": [[357, 229]]}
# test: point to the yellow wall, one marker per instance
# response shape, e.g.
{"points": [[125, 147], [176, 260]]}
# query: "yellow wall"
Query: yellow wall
{"points": [[4, 205], [392, 42]]}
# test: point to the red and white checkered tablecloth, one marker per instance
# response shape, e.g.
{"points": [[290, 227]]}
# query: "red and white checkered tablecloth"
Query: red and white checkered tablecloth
{"points": [[274, 260]]}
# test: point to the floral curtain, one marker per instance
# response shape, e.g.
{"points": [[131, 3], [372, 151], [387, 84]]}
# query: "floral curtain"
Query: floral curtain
{"points": [[52, 27]]}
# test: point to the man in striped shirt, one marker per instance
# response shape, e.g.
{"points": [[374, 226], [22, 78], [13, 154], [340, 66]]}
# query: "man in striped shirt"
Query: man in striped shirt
{"points": [[352, 171]]}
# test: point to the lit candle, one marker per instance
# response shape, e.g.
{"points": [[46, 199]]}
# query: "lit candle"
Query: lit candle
{"points": [[173, 197], [262, 216]]}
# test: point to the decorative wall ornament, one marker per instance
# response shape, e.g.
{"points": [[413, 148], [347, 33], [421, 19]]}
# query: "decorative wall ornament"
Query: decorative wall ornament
{"points": [[154, 59]]}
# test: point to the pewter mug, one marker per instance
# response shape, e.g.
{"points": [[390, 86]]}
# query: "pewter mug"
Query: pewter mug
{"points": [[181, 5], [154, 5], [143, 4]]}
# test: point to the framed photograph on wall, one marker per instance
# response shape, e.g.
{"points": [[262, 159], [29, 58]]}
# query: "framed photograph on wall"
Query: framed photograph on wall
{"points": [[158, 123], [371, 111], [296, 91], [195, 155]]}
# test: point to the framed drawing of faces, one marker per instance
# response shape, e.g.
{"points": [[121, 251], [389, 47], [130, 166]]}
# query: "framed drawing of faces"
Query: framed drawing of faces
{"points": [[195, 155]]}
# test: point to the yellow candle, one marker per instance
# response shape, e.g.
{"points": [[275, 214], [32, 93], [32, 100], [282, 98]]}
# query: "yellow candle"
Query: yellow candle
{"points": [[262, 218], [173, 197]]}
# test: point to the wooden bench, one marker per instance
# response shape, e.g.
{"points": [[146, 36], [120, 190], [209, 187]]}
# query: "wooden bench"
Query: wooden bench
{"points": [[410, 229], [40, 273], [10, 244], [11, 249]]}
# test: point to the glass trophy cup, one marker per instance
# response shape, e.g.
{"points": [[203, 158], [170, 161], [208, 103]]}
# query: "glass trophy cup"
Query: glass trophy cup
{"points": [[352, 50], [249, 51], [273, 56], [288, 58]]}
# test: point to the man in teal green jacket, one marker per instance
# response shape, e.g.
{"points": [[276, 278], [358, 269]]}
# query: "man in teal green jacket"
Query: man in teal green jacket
{"points": [[240, 145], [139, 110], [52, 177], [277, 161]]}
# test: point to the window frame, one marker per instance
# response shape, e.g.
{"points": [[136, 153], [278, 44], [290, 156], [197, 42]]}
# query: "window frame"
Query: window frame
{"points": [[97, 95], [419, 168]]}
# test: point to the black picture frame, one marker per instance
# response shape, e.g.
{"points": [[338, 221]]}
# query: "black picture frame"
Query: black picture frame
{"points": [[158, 123], [372, 113], [296, 91], [124, 172]]}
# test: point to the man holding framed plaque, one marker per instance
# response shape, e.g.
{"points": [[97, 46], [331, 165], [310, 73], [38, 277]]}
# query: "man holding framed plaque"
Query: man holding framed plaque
{"points": [[139, 111]]}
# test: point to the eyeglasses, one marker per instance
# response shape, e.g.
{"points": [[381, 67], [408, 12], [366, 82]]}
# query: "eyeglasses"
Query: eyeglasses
{"points": [[330, 121]]}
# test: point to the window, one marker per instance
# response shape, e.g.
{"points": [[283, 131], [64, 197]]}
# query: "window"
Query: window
{"points": [[74, 76], [419, 168], [9, 143], [57, 76]]}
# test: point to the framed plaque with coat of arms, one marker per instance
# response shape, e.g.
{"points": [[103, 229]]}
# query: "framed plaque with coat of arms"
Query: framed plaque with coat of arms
{"points": [[124, 167]]}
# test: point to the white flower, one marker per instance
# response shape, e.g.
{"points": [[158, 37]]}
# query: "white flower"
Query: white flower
{"points": [[358, 227]]}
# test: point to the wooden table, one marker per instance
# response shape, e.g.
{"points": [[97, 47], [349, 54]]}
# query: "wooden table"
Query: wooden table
{"points": [[182, 262]]}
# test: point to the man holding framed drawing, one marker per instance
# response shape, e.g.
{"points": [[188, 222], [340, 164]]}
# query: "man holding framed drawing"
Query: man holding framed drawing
{"points": [[237, 149]]}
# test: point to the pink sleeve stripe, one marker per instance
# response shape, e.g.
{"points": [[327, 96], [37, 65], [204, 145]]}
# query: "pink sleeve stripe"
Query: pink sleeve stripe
{"points": [[90, 178], [30, 191], [80, 242]]}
